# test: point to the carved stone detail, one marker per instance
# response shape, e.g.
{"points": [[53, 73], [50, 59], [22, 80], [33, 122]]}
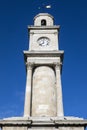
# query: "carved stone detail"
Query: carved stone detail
{"points": [[29, 65], [57, 65]]}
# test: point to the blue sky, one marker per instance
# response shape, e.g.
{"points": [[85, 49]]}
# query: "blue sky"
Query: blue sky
{"points": [[14, 18]]}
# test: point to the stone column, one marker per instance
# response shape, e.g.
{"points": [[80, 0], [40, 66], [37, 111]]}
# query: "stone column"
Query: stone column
{"points": [[27, 107], [59, 90]]}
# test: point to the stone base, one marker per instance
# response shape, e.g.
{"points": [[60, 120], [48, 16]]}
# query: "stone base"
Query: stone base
{"points": [[43, 123]]}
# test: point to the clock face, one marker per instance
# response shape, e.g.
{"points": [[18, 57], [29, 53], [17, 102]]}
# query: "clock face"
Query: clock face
{"points": [[43, 41]]}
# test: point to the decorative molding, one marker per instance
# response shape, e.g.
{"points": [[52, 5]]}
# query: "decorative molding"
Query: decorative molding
{"points": [[58, 65], [29, 65], [41, 122], [42, 54], [32, 33], [55, 33], [43, 27]]}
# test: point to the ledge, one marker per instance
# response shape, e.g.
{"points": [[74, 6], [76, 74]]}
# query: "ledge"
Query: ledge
{"points": [[42, 121], [44, 27], [43, 54]]}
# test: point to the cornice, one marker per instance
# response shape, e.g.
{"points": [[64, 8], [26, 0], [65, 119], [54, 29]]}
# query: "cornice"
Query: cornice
{"points": [[32, 122], [44, 27], [43, 14], [43, 54]]}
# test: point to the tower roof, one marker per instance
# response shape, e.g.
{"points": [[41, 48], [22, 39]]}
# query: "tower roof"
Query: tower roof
{"points": [[43, 14]]}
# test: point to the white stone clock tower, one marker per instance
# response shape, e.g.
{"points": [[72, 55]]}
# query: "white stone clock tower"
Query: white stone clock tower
{"points": [[43, 96], [43, 108]]}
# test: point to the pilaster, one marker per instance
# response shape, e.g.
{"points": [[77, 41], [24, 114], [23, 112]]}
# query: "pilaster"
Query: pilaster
{"points": [[59, 90], [27, 107]]}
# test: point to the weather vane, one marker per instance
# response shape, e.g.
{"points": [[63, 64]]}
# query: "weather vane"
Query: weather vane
{"points": [[44, 7]]}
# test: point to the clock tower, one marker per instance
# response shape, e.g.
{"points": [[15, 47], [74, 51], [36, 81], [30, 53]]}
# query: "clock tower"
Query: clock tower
{"points": [[43, 97], [43, 109]]}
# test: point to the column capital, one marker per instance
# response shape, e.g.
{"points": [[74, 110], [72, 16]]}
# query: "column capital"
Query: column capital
{"points": [[29, 65], [32, 33], [55, 33], [57, 65]]}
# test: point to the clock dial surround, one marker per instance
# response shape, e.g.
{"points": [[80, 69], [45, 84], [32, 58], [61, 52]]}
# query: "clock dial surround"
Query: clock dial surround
{"points": [[43, 41]]}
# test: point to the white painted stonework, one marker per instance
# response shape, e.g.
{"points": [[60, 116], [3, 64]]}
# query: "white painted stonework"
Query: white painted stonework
{"points": [[51, 34], [49, 18], [45, 81], [44, 92], [43, 108], [42, 123], [43, 89], [49, 31]]}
